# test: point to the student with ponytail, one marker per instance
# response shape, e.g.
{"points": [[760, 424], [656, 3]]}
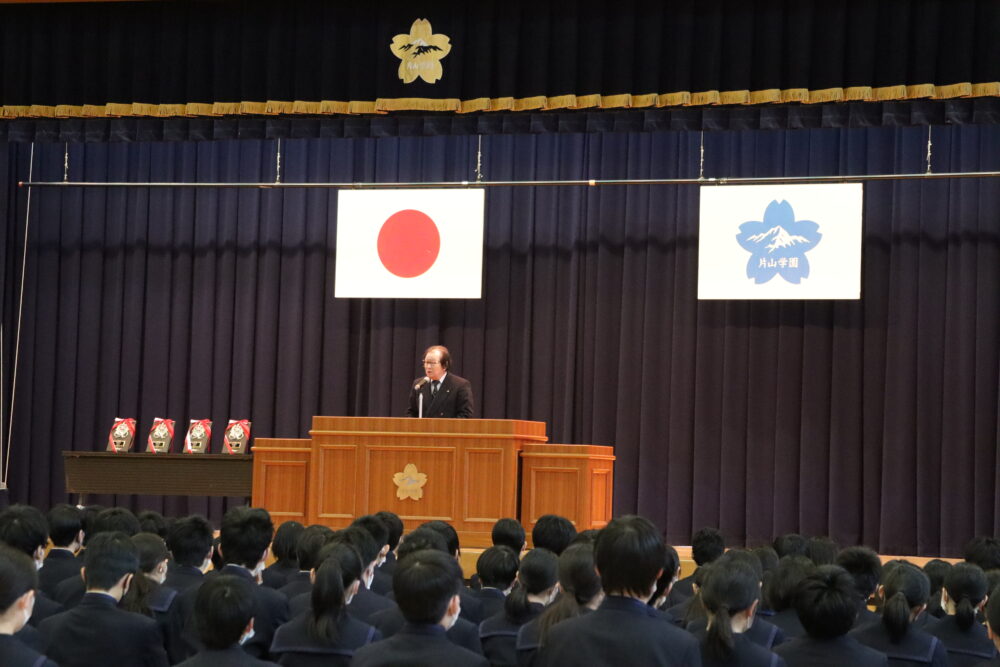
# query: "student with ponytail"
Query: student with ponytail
{"points": [[963, 595], [327, 634], [536, 586], [730, 594], [905, 591], [580, 593]]}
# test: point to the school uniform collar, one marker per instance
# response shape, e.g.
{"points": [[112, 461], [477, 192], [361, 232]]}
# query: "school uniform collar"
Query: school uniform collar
{"points": [[630, 605], [423, 629]]}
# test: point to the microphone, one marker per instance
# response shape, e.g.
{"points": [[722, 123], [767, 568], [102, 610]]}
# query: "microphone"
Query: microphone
{"points": [[421, 382]]}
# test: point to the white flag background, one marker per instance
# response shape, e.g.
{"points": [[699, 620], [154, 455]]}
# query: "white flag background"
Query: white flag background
{"points": [[780, 241], [410, 244]]}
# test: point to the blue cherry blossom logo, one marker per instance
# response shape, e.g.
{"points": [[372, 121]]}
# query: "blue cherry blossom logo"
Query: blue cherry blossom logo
{"points": [[778, 245]]}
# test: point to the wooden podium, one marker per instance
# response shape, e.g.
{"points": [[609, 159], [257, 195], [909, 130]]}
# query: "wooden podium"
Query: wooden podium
{"points": [[463, 471]]}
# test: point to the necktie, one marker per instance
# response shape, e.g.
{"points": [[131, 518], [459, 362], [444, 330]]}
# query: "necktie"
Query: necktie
{"points": [[434, 388]]}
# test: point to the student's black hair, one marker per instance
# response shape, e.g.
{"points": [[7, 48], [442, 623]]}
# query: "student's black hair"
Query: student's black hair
{"points": [[18, 575], [552, 532], [707, 545], [746, 559], [905, 587], [90, 513], [394, 525], [286, 537], [588, 536], [245, 535], [116, 520], [424, 583], [983, 551], [223, 608], [65, 523], [826, 602], [993, 611], [108, 558], [151, 521], [822, 550], [784, 581], [497, 567], [340, 566], [864, 566], [992, 580], [311, 542], [360, 539], [189, 540], [579, 584], [447, 531], [629, 555], [767, 556], [539, 571], [152, 551], [671, 563], [966, 586], [375, 527], [730, 587], [695, 610], [24, 528], [936, 570], [508, 533], [420, 539], [790, 544]]}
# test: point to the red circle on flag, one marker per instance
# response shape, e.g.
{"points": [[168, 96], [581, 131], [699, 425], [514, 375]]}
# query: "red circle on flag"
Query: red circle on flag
{"points": [[408, 243]]}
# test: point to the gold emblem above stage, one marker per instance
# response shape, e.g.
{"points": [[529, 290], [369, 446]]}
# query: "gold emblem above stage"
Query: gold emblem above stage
{"points": [[409, 483], [420, 52]]}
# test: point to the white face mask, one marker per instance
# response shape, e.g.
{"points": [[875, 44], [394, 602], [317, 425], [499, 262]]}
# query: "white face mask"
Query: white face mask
{"points": [[247, 637], [39, 564], [369, 578], [205, 565]]}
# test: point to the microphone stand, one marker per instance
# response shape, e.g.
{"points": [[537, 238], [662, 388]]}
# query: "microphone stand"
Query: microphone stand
{"points": [[420, 405]]}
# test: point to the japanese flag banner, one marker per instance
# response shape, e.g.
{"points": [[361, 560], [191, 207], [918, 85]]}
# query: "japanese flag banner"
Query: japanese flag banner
{"points": [[780, 241], [410, 244]]}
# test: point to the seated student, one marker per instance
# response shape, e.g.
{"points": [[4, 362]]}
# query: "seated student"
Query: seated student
{"points": [[936, 570], [151, 521], [706, 545], [394, 525], [730, 592], [326, 634], [536, 586], [826, 604], [761, 632], [665, 583], [96, 631], [426, 585], [283, 546], [190, 543], [307, 550], [18, 582], [822, 550], [768, 559], [111, 520], [790, 544], [629, 555], [552, 532], [147, 595], [580, 593], [964, 595], [244, 541], [365, 603], [865, 567], [781, 591], [993, 621], [983, 551], [390, 621], [506, 533], [66, 532], [496, 570], [24, 528], [472, 609], [691, 609], [905, 590], [381, 582], [224, 617]]}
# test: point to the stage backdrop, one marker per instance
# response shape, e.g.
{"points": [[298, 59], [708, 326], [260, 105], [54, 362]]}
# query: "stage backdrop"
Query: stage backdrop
{"points": [[874, 421]]}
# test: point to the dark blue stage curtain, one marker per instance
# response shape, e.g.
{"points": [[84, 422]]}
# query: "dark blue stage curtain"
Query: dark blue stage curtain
{"points": [[873, 421]]}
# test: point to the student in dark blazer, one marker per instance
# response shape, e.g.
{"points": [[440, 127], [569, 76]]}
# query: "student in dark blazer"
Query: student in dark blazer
{"points": [[426, 585], [286, 539], [24, 528], [96, 631], [706, 545], [536, 586], [66, 532], [307, 549], [730, 593], [445, 395], [18, 582], [365, 603], [963, 596], [472, 609], [826, 604], [326, 635], [224, 618], [497, 570], [993, 621], [781, 591], [905, 590], [147, 595], [629, 554], [394, 525], [190, 543], [865, 567], [381, 582]]}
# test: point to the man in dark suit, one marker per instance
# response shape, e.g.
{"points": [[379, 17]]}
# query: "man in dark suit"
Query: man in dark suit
{"points": [[444, 393], [96, 631], [18, 583], [426, 584], [629, 555], [66, 533]]}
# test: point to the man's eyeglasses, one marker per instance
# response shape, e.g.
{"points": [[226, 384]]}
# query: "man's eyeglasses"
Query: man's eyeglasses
{"points": [[432, 363]]}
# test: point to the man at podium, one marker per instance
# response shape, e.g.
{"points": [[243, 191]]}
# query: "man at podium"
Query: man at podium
{"points": [[442, 394]]}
